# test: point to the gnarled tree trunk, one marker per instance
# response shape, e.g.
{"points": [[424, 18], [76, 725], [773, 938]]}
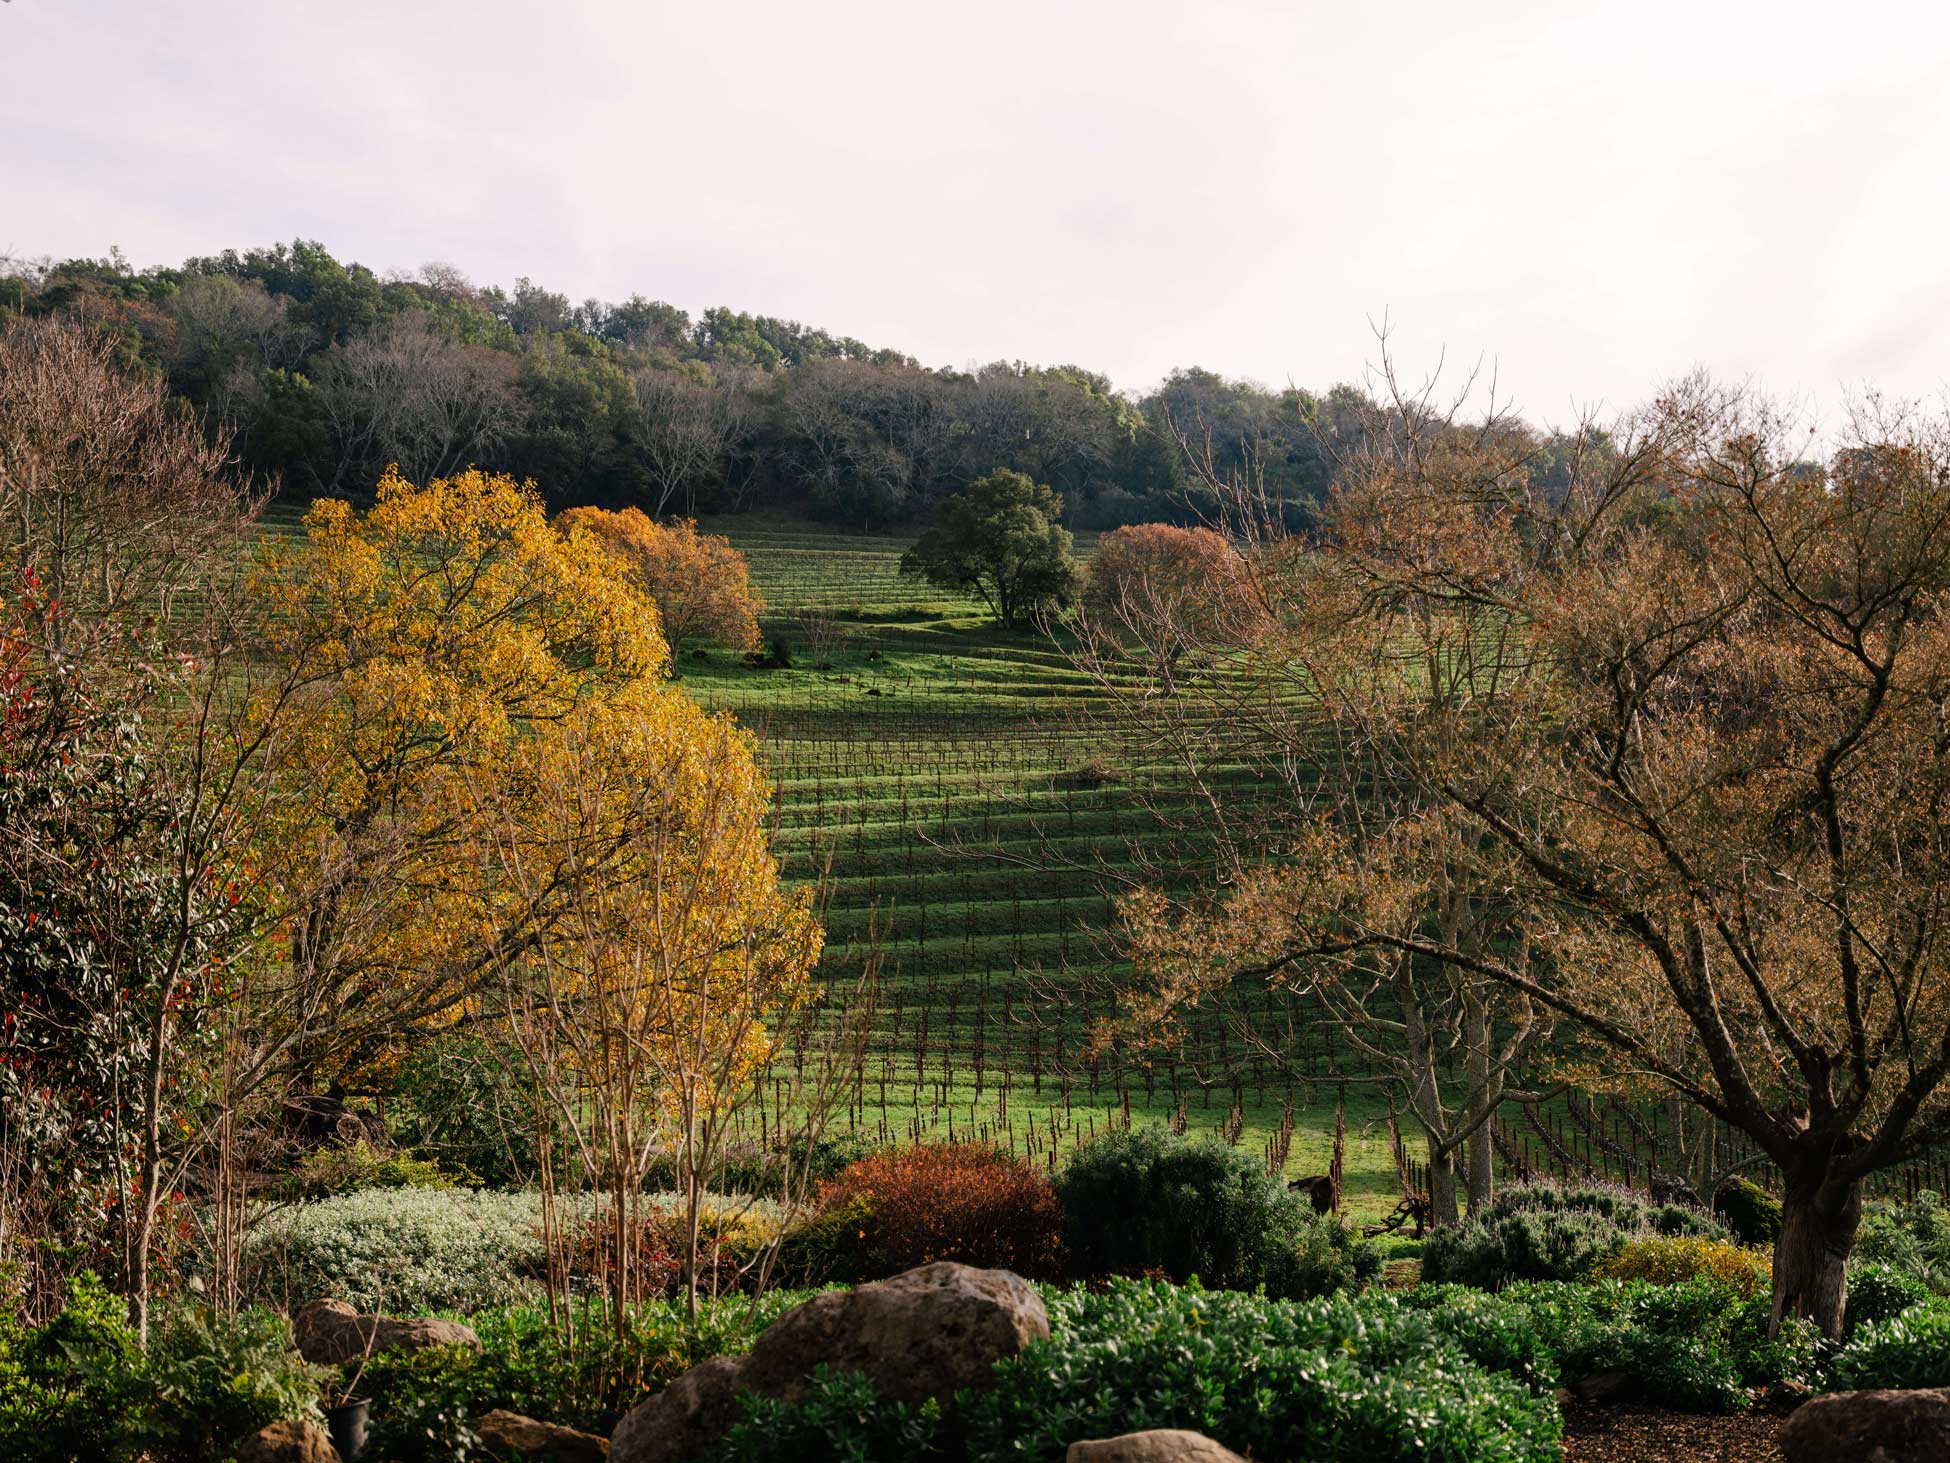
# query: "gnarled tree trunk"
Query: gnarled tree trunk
{"points": [[1819, 1217]]}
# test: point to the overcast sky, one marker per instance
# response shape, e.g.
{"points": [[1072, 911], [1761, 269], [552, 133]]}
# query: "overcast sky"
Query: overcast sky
{"points": [[1592, 197]]}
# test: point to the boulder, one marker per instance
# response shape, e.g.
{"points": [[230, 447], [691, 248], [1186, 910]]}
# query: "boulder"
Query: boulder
{"points": [[1870, 1427], [330, 1332], [1160, 1445], [509, 1435], [927, 1333], [288, 1442], [684, 1419]]}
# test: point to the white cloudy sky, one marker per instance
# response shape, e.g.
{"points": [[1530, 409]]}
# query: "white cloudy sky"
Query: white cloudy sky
{"points": [[1593, 196]]}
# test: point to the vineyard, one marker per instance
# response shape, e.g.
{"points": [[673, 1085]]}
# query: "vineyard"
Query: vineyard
{"points": [[939, 780]]}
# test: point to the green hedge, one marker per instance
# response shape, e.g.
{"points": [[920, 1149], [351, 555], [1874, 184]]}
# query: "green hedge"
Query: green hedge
{"points": [[1331, 1381]]}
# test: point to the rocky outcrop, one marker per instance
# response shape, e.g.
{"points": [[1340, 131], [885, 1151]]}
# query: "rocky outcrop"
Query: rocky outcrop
{"points": [[509, 1436], [330, 1332], [1870, 1427], [288, 1442], [684, 1419], [927, 1333], [1161, 1445]]}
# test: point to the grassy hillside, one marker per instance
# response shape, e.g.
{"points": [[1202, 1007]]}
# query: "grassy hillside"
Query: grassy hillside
{"points": [[938, 776]]}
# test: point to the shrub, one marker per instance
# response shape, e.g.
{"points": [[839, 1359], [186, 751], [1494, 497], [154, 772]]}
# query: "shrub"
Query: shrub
{"points": [[1150, 1201], [1913, 1237], [356, 1166], [1543, 1232], [1667, 1260], [408, 1250], [212, 1383], [1672, 1341], [1879, 1293], [1749, 1211], [1910, 1349], [952, 1201], [590, 1246], [1325, 1380], [829, 1246], [470, 1105], [839, 1419], [425, 1402], [68, 1388], [80, 1387]]}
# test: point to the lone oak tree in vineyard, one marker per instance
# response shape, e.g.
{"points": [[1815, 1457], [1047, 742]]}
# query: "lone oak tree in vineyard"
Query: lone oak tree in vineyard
{"points": [[1682, 716], [701, 584], [1000, 542]]}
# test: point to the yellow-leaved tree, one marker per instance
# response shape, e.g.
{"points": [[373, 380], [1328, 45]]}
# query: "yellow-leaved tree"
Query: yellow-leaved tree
{"points": [[651, 1005], [498, 805], [424, 641]]}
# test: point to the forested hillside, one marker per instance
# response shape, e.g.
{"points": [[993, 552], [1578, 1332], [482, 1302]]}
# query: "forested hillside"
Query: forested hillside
{"points": [[328, 371]]}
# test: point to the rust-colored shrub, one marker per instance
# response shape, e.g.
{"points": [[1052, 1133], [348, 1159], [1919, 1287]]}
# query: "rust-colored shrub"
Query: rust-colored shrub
{"points": [[953, 1201]]}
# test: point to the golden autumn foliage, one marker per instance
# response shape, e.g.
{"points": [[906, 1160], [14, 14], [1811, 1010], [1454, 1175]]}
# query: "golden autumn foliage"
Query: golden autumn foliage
{"points": [[677, 950], [699, 581], [491, 769]]}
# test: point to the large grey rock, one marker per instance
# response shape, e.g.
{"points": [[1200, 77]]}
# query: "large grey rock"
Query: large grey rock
{"points": [[684, 1419], [331, 1332], [927, 1333], [1870, 1427], [288, 1442], [1160, 1445], [509, 1435]]}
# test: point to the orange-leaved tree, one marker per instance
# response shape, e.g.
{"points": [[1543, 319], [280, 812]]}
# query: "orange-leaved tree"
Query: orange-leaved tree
{"points": [[1168, 592], [701, 584]]}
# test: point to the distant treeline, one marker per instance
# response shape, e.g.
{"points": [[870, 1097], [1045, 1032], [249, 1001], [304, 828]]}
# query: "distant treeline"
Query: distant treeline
{"points": [[328, 371]]}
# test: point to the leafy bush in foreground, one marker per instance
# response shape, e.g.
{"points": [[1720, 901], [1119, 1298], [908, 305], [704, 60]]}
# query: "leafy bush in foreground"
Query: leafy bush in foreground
{"points": [[1911, 1349], [79, 1386], [1543, 1232], [425, 1402], [1881, 1293], [1150, 1201], [1329, 1381], [212, 1383], [68, 1387], [1326, 1380]]}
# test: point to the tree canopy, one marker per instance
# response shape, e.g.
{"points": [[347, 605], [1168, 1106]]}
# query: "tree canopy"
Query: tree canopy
{"points": [[1000, 542]]}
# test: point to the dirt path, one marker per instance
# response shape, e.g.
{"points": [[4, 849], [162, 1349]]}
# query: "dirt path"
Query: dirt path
{"points": [[1623, 1435]]}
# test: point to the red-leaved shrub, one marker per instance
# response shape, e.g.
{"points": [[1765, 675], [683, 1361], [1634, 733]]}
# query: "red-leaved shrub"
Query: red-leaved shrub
{"points": [[953, 1201]]}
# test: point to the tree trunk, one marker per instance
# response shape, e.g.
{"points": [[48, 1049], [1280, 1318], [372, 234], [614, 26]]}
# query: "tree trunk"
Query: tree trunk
{"points": [[1442, 1188], [1477, 1037], [1819, 1216]]}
